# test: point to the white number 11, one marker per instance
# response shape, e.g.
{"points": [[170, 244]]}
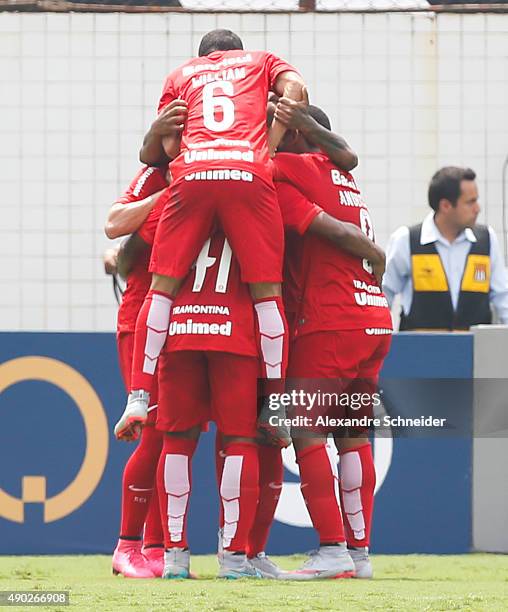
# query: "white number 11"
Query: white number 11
{"points": [[204, 261]]}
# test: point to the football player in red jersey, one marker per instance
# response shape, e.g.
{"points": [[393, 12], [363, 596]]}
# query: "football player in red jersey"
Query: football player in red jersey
{"points": [[133, 261], [341, 333], [211, 334], [137, 209], [209, 370], [221, 173]]}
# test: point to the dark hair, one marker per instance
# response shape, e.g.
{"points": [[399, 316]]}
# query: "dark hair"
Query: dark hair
{"points": [[320, 116], [219, 40], [445, 184]]}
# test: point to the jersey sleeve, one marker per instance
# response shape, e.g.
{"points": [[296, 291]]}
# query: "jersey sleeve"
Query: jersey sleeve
{"points": [[297, 212], [168, 92], [147, 230], [147, 181], [275, 65]]}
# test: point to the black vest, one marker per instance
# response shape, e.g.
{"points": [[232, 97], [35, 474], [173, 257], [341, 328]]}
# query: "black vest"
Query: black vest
{"points": [[431, 307]]}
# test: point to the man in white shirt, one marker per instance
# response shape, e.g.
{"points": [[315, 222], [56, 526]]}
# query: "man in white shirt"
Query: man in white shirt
{"points": [[447, 270]]}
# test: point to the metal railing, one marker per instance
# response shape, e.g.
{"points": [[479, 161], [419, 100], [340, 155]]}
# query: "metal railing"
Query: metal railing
{"points": [[254, 5]]}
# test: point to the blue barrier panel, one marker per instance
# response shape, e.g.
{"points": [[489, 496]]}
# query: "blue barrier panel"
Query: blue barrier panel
{"points": [[43, 436], [60, 484], [424, 504]]}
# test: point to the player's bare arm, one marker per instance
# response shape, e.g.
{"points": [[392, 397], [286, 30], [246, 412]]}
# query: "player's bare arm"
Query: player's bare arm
{"points": [[131, 249], [163, 137], [124, 219], [351, 239], [295, 116], [290, 85]]}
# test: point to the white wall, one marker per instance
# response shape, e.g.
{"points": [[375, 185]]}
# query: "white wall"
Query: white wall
{"points": [[411, 92]]}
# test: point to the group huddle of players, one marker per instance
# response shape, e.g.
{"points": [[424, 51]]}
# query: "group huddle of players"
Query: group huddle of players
{"points": [[258, 192]]}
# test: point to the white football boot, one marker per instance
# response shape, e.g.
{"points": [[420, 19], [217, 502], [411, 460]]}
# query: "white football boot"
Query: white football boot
{"points": [[236, 565], [363, 566], [176, 563], [326, 562], [265, 566]]}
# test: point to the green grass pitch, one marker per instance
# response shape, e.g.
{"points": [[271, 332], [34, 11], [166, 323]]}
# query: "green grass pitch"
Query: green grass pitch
{"points": [[402, 583]]}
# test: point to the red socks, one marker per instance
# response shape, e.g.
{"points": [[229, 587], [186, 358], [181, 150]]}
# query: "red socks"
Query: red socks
{"points": [[270, 485], [320, 489], [357, 483], [273, 337], [151, 332], [153, 534], [239, 493], [138, 483], [174, 480]]}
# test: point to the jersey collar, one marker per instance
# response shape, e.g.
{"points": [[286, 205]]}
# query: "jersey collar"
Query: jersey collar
{"points": [[430, 233]]}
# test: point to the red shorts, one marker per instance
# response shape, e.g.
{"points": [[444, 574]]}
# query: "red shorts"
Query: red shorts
{"points": [[125, 347], [198, 386], [248, 212], [342, 368]]}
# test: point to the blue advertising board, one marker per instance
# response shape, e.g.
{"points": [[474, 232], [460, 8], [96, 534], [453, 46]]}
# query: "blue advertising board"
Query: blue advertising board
{"points": [[61, 468]]}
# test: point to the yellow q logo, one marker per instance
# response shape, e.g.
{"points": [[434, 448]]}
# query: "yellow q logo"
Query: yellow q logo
{"points": [[96, 428]]}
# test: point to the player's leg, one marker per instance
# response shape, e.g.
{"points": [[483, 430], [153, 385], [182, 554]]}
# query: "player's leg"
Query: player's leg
{"points": [[151, 333], [175, 478], [153, 534], [270, 484], [233, 388], [357, 470], [253, 205], [137, 487], [183, 408], [220, 455], [311, 369], [357, 484], [185, 224]]}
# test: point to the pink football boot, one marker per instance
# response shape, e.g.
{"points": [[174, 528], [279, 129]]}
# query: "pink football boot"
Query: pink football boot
{"points": [[155, 556], [129, 561]]}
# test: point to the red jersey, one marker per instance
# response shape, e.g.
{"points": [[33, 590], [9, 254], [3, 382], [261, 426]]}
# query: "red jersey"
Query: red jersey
{"points": [[336, 290], [226, 93], [213, 309], [147, 181]]}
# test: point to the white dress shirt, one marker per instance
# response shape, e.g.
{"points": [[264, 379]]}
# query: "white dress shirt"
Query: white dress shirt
{"points": [[398, 278]]}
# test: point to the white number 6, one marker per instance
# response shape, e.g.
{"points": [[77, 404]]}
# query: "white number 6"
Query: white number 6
{"points": [[211, 103]]}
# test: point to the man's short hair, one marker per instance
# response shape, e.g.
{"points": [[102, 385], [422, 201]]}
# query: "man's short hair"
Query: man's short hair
{"points": [[445, 184], [320, 116], [219, 40]]}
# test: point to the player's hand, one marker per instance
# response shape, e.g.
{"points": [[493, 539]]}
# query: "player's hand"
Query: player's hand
{"points": [[132, 434], [294, 115], [110, 260], [272, 426], [171, 119]]}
